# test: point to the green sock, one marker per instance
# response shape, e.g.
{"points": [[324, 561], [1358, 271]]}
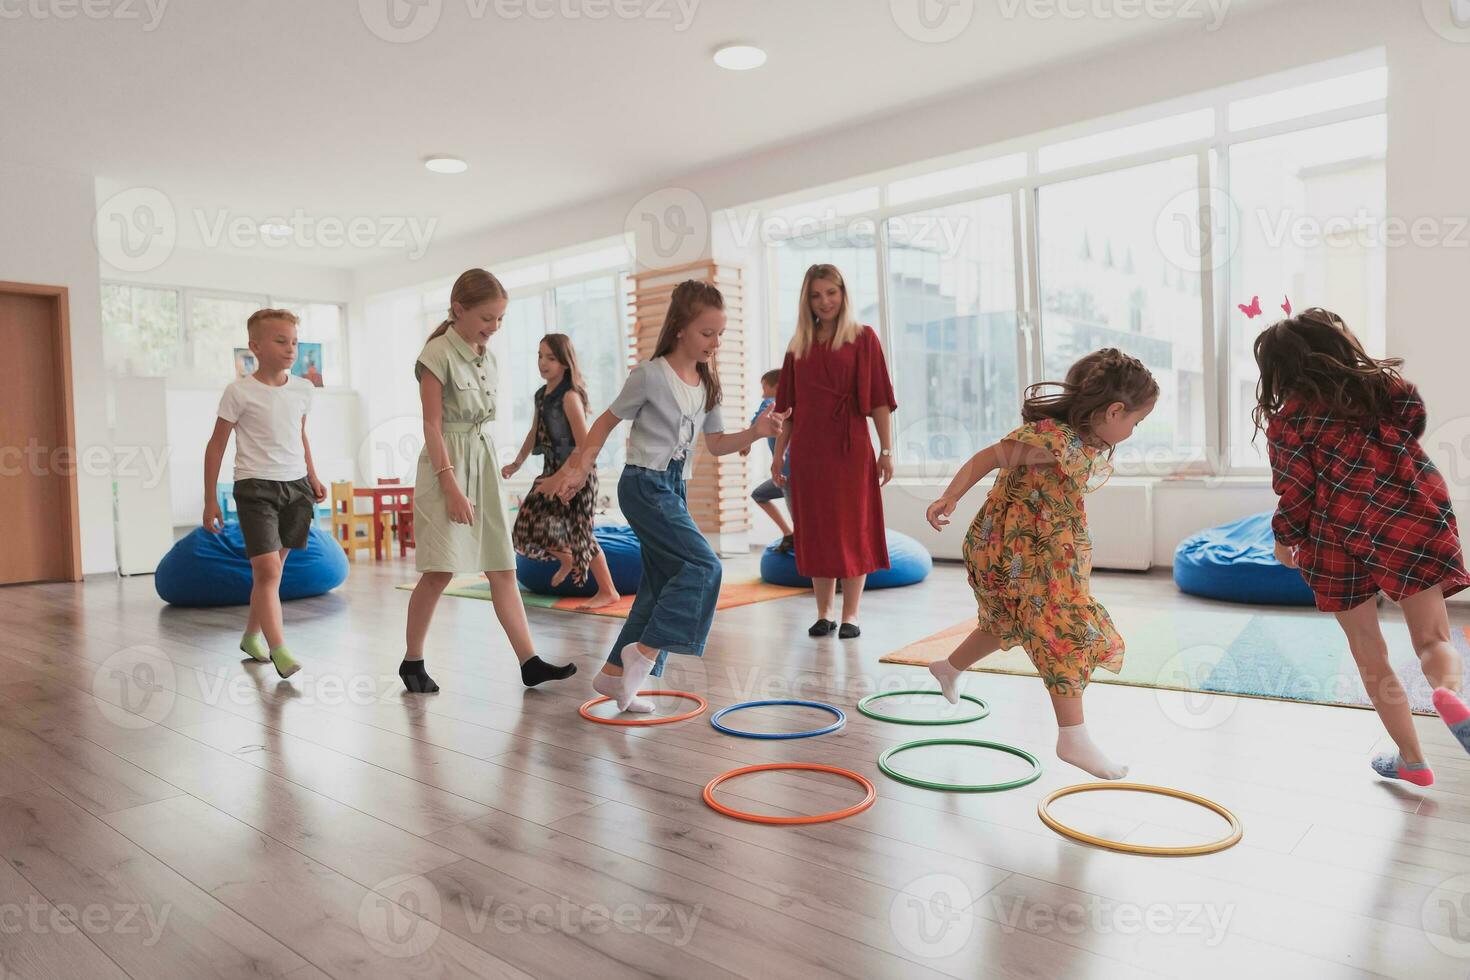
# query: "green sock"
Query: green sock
{"points": [[254, 645], [286, 664]]}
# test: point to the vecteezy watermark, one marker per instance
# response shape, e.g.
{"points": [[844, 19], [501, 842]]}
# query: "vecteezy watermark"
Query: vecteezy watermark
{"points": [[400, 917], [1450, 19], [931, 916], [137, 230], [147, 12], [932, 21], [146, 463], [1209, 12], [1445, 917], [670, 227], [942, 234], [405, 21], [1100, 916], [135, 687], [37, 916]]}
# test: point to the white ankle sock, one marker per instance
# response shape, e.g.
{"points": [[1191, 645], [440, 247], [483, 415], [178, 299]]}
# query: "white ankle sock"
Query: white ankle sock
{"points": [[1074, 745], [636, 668], [948, 676], [612, 687]]}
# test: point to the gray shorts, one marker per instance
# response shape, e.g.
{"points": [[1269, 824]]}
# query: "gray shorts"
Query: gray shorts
{"points": [[274, 514], [767, 492]]}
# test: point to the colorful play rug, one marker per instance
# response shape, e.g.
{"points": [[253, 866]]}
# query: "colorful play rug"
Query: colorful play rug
{"points": [[1297, 656], [732, 594]]}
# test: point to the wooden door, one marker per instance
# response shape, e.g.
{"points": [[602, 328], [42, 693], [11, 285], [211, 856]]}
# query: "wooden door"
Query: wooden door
{"points": [[39, 533]]}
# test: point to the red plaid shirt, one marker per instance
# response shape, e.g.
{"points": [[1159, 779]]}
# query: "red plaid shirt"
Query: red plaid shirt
{"points": [[1365, 488]]}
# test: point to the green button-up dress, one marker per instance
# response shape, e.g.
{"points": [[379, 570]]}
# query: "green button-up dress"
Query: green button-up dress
{"points": [[469, 381]]}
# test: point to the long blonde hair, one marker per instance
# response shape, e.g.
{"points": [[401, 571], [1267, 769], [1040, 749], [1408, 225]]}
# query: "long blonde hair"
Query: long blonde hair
{"points": [[473, 287], [691, 298], [806, 324]]}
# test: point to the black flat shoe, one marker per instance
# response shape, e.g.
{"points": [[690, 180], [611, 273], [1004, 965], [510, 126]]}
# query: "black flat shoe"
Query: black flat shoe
{"points": [[848, 631], [821, 627]]}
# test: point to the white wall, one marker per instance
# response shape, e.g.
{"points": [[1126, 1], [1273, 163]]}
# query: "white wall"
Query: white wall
{"points": [[46, 237]]}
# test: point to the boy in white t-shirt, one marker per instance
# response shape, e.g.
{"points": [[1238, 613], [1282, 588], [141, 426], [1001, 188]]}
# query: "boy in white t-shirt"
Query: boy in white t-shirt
{"points": [[276, 489]]}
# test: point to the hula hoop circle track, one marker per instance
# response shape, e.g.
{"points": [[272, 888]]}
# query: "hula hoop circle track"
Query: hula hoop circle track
{"points": [[893, 773], [865, 702], [585, 711], [867, 800], [1043, 811], [841, 719]]}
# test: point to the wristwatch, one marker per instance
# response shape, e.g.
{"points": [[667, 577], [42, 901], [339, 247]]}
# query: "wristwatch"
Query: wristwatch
{"points": [[885, 452]]}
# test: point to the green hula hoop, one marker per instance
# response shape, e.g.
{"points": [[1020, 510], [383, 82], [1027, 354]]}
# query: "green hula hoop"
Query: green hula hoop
{"points": [[863, 707], [893, 773]]}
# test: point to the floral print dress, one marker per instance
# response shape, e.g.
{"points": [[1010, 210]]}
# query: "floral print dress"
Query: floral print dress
{"points": [[1029, 558]]}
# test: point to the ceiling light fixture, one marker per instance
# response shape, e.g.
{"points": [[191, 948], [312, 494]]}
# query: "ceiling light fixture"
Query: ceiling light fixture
{"points": [[446, 165], [740, 57]]}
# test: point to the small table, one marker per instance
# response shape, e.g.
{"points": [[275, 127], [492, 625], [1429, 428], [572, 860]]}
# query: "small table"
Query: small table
{"points": [[384, 503]]}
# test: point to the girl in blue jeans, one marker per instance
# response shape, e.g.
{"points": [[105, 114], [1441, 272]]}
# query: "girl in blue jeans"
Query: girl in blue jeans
{"points": [[670, 399]]}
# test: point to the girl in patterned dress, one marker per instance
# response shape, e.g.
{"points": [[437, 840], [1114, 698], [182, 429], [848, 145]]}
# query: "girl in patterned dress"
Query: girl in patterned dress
{"points": [[1362, 509], [1028, 552], [547, 529]]}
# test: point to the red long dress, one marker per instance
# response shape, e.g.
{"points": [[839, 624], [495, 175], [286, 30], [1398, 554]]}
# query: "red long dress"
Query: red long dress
{"points": [[836, 506]]}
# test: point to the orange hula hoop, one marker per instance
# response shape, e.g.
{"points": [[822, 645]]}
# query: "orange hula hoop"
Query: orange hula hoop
{"points": [[631, 722], [859, 807]]}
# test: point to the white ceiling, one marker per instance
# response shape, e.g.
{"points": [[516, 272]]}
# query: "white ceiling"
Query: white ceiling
{"points": [[257, 108]]}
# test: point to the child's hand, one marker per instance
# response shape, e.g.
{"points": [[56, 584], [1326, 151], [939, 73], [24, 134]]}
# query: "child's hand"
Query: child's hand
{"points": [[318, 490], [768, 425], [1286, 554], [777, 477], [213, 520], [745, 451], [938, 513], [461, 508], [509, 470]]}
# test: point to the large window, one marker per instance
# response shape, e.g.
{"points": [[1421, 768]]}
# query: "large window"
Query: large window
{"points": [[1143, 233], [141, 333], [952, 329], [1105, 282]]}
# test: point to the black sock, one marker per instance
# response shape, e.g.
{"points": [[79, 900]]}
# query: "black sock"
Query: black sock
{"points": [[536, 670], [416, 678]]}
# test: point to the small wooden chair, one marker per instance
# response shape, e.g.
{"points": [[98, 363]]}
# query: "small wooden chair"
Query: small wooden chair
{"points": [[399, 508], [347, 522]]}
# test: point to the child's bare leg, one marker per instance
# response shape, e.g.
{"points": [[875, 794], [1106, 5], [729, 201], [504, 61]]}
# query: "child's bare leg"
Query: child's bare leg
{"points": [[560, 575], [1429, 628], [265, 596], [421, 611], [774, 513], [972, 649], [1075, 745], [1370, 652], [511, 612], [607, 592]]}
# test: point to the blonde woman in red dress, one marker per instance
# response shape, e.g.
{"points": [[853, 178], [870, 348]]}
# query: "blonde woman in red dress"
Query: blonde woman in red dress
{"points": [[833, 380]]}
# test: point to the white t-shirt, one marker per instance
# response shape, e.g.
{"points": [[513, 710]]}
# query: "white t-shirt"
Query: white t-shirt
{"points": [[267, 422], [690, 399]]}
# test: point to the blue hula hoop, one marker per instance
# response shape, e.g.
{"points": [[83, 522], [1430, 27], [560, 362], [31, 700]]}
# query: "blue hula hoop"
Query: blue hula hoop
{"points": [[841, 719]]}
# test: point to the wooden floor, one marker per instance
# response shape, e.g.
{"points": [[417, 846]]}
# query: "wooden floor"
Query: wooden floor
{"points": [[169, 811]]}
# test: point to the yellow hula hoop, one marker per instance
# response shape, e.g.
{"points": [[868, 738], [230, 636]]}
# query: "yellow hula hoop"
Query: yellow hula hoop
{"points": [[1236, 833]]}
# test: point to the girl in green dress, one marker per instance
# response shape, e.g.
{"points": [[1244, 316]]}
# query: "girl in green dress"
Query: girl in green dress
{"points": [[458, 512]]}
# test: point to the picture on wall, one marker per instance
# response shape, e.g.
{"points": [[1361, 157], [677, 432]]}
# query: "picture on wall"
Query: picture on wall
{"points": [[308, 363], [245, 363]]}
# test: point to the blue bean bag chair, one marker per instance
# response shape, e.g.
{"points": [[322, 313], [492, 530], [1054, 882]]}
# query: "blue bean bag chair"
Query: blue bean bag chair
{"points": [[908, 563], [624, 560], [1236, 562], [204, 569]]}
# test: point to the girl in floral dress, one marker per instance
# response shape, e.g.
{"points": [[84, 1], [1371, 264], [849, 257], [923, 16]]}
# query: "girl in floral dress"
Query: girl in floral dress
{"points": [[1028, 552]]}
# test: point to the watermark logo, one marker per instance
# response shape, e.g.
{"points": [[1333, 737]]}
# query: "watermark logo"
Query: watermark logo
{"points": [[1099, 916], [1450, 19], [1188, 222], [1448, 445], [36, 916], [932, 21], [1211, 13], [147, 12], [931, 916], [136, 229], [135, 687], [1445, 917], [400, 21], [670, 227], [400, 917]]}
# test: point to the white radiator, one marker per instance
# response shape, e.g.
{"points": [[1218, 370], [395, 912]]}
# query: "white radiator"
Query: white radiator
{"points": [[1120, 517]]}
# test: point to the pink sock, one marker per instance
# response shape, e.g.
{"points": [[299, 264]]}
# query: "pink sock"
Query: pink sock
{"points": [[1450, 708]]}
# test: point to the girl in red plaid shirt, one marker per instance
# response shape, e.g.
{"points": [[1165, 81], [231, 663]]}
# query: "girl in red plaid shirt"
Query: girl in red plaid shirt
{"points": [[1363, 510]]}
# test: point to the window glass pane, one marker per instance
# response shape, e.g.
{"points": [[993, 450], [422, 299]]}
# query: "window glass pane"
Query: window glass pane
{"points": [[603, 258], [1106, 283], [216, 328], [1183, 128], [591, 313], [952, 322], [807, 217], [956, 179], [1305, 100], [525, 325], [1311, 226], [524, 276], [140, 330], [322, 323]]}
